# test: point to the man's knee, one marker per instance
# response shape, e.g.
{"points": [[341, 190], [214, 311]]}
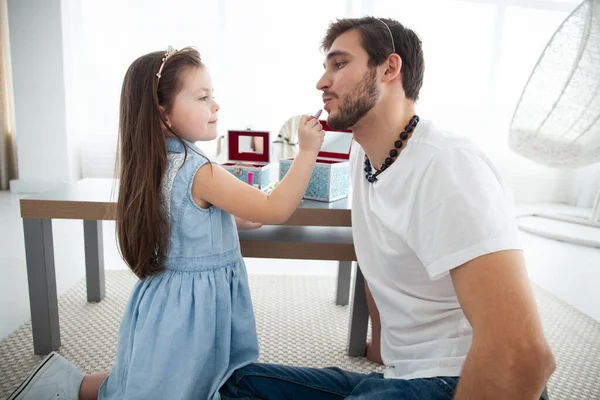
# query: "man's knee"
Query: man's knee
{"points": [[239, 374], [238, 382]]}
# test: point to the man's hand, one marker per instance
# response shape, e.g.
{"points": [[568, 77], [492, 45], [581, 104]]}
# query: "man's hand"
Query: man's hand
{"points": [[245, 225], [509, 357]]}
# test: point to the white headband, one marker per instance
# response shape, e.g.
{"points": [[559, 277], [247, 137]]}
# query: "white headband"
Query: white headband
{"points": [[390, 31], [170, 51]]}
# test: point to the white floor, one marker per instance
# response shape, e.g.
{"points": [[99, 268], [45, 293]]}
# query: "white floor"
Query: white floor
{"points": [[570, 272]]}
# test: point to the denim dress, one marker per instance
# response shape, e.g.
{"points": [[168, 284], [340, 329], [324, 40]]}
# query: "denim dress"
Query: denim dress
{"points": [[186, 329]]}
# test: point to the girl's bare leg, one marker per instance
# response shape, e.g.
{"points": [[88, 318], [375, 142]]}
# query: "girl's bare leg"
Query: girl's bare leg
{"points": [[91, 385]]}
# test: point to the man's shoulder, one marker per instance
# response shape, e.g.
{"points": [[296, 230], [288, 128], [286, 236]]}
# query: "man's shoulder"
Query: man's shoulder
{"points": [[443, 154], [433, 139]]}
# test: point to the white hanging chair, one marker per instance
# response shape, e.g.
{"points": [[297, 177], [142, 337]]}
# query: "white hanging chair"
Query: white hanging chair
{"points": [[557, 119]]}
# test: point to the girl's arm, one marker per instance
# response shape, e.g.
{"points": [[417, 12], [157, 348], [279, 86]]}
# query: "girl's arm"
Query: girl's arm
{"points": [[245, 225], [217, 186]]}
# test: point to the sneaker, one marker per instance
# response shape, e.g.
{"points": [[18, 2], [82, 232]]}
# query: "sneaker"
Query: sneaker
{"points": [[54, 378]]}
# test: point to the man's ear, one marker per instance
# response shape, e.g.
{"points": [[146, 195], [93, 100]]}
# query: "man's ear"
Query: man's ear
{"points": [[393, 67]]}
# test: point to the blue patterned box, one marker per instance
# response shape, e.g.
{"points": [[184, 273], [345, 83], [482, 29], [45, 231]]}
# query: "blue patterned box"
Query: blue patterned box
{"points": [[330, 180], [248, 153]]}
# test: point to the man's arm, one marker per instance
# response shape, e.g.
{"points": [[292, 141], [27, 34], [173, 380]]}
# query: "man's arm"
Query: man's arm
{"points": [[509, 357], [374, 346]]}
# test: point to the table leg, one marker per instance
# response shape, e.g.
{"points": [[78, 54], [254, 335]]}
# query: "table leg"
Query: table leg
{"points": [[94, 260], [359, 318], [41, 277], [342, 292]]}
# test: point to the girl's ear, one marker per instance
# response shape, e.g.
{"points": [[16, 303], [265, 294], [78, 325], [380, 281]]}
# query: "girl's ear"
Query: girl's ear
{"points": [[165, 116]]}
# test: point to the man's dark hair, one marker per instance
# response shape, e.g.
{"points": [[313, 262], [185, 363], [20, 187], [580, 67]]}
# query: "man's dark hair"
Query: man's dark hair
{"points": [[377, 43]]}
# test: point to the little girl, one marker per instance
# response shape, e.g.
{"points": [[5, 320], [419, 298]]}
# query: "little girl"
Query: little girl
{"points": [[189, 322]]}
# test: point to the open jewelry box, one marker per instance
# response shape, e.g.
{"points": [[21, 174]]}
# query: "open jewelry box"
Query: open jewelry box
{"points": [[248, 157]]}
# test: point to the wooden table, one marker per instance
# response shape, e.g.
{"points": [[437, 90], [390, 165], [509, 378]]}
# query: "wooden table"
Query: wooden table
{"points": [[316, 231]]}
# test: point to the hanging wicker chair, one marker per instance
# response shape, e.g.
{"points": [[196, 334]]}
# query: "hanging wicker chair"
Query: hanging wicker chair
{"points": [[557, 119]]}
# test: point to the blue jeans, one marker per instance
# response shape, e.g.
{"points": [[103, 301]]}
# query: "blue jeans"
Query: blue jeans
{"points": [[279, 382]]}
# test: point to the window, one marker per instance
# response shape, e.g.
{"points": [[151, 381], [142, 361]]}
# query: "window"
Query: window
{"points": [[265, 60], [263, 55]]}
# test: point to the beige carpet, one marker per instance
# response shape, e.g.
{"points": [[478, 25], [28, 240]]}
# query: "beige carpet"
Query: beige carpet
{"points": [[298, 324]]}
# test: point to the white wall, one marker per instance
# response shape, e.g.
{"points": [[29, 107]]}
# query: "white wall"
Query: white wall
{"points": [[46, 155], [534, 183], [588, 184]]}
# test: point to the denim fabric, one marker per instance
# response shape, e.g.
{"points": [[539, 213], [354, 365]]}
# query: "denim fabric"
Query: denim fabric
{"points": [[186, 329]]}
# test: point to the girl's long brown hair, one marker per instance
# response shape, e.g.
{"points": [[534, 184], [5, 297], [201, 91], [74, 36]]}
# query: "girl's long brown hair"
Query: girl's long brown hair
{"points": [[142, 229]]}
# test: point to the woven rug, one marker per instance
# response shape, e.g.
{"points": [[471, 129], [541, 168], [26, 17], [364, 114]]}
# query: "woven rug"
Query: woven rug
{"points": [[298, 324]]}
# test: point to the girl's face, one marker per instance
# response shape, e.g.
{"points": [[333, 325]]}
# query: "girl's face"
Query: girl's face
{"points": [[195, 112]]}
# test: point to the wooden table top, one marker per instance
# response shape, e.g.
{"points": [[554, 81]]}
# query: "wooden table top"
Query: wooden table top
{"points": [[95, 199]]}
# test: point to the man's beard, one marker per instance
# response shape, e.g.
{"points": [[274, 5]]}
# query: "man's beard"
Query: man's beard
{"points": [[357, 104]]}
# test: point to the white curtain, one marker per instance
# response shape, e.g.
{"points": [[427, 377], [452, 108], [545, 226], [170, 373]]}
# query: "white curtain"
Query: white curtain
{"points": [[265, 60], [8, 161], [263, 55]]}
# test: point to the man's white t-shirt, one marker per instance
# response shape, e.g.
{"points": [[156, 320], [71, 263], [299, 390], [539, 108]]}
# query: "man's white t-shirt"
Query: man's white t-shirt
{"points": [[440, 204]]}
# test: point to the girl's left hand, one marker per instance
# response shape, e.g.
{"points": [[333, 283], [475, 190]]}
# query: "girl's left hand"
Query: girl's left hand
{"points": [[245, 225]]}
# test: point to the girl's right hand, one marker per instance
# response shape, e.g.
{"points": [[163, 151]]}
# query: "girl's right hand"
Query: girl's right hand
{"points": [[222, 189], [310, 134]]}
